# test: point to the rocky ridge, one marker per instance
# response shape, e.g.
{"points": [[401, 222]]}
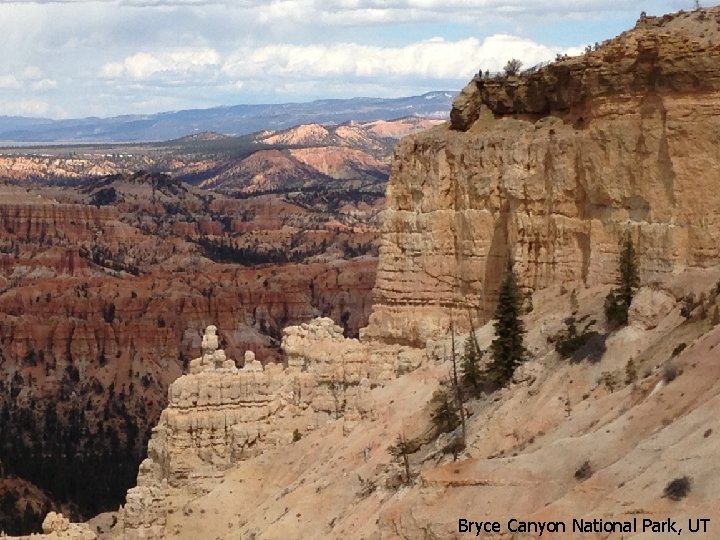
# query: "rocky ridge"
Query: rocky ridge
{"points": [[672, 54], [219, 415]]}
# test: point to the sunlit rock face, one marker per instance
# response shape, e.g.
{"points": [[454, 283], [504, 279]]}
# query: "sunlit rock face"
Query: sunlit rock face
{"points": [[550, 169]]}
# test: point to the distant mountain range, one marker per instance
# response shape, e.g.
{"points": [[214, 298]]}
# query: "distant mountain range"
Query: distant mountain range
{"points": [[233, 120]]}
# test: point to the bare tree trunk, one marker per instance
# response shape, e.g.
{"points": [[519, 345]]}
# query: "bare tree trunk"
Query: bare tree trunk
{"points": [[456, 384], [472, 330]]}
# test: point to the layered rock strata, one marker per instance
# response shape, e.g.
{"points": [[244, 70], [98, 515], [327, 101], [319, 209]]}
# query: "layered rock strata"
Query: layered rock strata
{"points": [[219, 414], [40, 221], [550, 169]]}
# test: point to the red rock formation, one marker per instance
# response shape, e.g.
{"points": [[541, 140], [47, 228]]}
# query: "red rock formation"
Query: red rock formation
{"points": [[100, 309]]}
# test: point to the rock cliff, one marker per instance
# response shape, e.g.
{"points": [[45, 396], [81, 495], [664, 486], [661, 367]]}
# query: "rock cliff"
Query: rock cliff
{"points": [[550, 169]]}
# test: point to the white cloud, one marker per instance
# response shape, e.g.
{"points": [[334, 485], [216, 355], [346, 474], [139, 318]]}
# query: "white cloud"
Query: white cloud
{"points": [[30, 76], [32, 73], [25, 107], [10, 81], [43, 85], [176, 64], [433, 59]]}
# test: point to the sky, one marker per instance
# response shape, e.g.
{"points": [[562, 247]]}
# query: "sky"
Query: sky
{"points": [[79, 58]]}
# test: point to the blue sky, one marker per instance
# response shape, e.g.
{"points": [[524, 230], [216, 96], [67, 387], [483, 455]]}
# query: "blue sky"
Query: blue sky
{"points": [[77, 58]]}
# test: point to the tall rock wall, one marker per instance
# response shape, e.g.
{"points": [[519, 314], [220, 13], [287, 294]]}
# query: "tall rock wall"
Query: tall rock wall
{"points": [[549, 170]]}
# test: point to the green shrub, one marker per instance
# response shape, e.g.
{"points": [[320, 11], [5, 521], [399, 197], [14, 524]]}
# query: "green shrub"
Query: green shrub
{"points": [[630, 372], [584, 471], [579, 344], [678, 489]]}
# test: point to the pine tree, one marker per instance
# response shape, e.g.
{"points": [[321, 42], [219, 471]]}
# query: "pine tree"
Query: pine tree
{"points": [[401, 451], [507, 348], [472, 375], [617, 302], [445, 415]]}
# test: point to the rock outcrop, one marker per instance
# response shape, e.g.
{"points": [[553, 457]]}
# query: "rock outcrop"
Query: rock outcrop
{"points": [[550, 169], [57, 527], [41, 221], [663, 55], [219, 415]]}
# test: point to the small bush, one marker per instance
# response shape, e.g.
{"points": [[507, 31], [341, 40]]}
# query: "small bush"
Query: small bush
{"points": [[678, 489], [296, 435], [630, 372], [454, 447], [584, 472], [573, 343], [616, 312], [401, 451], [512, 67], [609, 380], [689, 305], [367, 487], [677, 350], [574, 304], [529, 307], [670, 372], [104, 197]]}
